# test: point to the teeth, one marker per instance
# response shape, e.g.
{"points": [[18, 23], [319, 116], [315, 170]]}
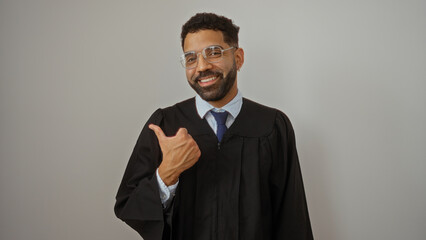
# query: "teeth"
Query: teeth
{"points": [[207, 80]]}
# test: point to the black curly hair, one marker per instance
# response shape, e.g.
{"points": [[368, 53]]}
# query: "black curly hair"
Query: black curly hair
{"points": [[211, 21]]}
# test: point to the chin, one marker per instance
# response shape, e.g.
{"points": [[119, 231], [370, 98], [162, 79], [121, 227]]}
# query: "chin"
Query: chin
{"points": [[211, 99]]}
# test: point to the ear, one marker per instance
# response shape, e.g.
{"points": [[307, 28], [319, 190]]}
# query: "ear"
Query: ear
{"points": [[239, 58]]}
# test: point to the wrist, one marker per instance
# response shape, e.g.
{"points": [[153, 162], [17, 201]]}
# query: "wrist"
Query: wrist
{"points": [[168, 177]]}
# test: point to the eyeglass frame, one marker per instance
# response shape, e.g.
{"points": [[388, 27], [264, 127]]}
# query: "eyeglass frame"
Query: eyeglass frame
{"points": [[203, 53]]}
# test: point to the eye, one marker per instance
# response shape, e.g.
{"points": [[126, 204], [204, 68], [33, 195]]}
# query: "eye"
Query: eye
{"points": [[190, 58], [213, 52]]}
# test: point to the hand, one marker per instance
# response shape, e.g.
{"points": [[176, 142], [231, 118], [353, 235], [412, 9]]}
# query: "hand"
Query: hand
{"points": [[180, 152]]}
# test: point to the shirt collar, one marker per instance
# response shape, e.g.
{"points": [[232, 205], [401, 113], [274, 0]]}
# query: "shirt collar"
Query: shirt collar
{"points": [[233, 107]]}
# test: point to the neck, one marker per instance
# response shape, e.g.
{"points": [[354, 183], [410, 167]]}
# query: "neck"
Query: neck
{"points": [[228, 97]]}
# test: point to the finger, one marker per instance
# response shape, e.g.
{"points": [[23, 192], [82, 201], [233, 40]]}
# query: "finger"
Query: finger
{"points": [[157, 130]]}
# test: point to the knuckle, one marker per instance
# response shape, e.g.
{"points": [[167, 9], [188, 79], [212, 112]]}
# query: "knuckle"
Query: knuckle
{"points": [[183, 131]]}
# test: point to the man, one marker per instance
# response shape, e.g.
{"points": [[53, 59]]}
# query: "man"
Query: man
{"points": [[217, 166]]}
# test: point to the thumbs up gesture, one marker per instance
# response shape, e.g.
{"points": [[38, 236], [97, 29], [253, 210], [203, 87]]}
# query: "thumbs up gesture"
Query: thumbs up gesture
{"points": [[180, 152]]}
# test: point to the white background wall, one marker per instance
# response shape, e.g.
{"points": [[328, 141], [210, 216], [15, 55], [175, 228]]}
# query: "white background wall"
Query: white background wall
{"points": [[80, 78]]}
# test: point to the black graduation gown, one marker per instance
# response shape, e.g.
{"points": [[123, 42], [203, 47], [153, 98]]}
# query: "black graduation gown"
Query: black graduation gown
{"points": [[249, 186]]}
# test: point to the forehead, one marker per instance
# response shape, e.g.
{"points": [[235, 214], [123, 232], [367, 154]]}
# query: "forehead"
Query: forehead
{"points": [[203, 38]]}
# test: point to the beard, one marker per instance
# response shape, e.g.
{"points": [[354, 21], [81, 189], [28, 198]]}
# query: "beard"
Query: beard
{"points": [[218, 90]]}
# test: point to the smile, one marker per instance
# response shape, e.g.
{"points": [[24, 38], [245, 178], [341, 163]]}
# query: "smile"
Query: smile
{"points": [[208, 79]]}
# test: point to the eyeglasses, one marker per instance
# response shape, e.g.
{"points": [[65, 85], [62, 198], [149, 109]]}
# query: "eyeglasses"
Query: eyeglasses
{"points": [[211, 54]]}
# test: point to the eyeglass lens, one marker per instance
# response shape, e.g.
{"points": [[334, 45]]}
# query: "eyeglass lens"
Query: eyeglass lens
{"points": [[212, 54]]}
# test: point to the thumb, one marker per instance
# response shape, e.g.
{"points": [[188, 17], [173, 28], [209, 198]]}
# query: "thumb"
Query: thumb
{"points": [[157, 130]]}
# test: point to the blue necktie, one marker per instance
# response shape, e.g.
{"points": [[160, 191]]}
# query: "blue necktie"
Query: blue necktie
{"points": [[220, 120]]}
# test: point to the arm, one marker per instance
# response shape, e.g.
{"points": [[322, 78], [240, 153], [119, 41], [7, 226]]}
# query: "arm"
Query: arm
{"points": [[138, 199], [291, 218]]}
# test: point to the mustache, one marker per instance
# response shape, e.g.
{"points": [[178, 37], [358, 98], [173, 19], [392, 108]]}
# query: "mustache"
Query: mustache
{"points": [[208, 73]]}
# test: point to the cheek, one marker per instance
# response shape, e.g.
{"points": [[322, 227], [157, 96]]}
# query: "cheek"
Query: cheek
{"points": [[225, 68], [189, 74]]}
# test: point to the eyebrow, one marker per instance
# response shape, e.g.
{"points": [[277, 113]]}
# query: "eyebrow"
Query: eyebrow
{"points": [[203, 48]]}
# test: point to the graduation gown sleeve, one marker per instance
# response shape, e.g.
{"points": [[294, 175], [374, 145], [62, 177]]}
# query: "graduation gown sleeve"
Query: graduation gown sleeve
{"points": [[138, 199], [289, 208]]}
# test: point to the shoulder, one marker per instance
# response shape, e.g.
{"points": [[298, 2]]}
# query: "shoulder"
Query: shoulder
{"points": [[257, 120], [183, 106], [181, 114], [260, 109], [178, 108]]}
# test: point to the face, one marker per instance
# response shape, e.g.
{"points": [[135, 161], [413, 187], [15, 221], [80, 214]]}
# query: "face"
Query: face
{"points": [[213, 81]]}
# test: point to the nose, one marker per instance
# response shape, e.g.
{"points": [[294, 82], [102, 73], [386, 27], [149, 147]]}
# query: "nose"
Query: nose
{"points": [[202, 64]]}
